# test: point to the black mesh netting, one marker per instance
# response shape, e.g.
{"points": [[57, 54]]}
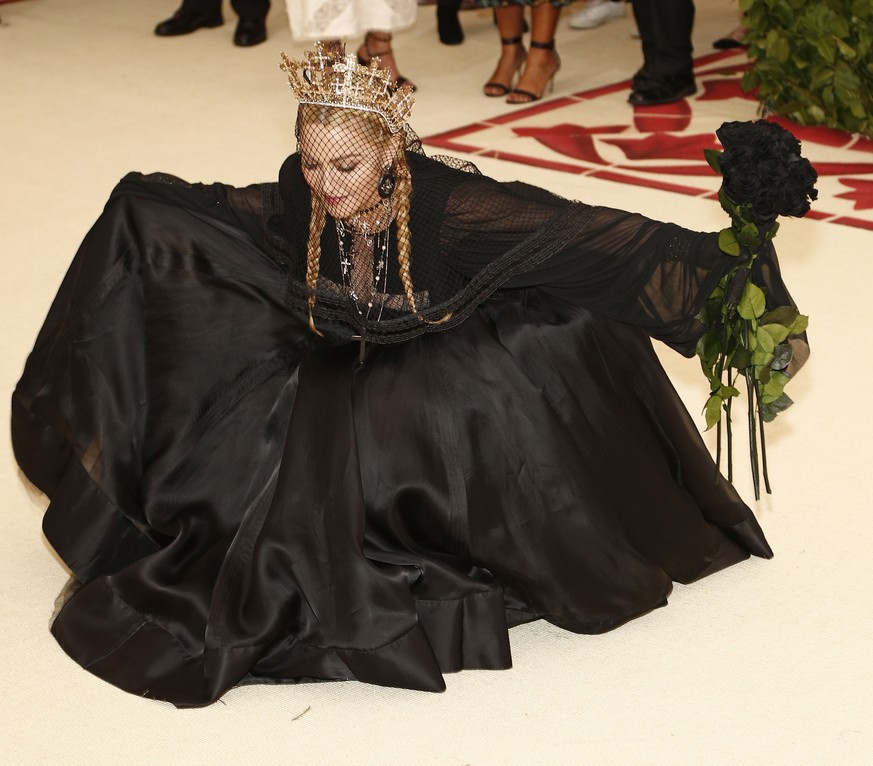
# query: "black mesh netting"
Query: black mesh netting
{"points": [[468, 235]]}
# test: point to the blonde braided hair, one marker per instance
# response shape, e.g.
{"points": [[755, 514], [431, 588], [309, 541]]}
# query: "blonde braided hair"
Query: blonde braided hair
{"points": [[403, 190], [317, 219]]}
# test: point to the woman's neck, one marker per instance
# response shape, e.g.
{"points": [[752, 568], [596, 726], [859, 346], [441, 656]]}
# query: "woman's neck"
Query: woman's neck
{"points": [[377, 217]]}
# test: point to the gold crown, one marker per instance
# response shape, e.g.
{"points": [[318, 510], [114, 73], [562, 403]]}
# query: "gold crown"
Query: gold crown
{"points": [[326, 78]]}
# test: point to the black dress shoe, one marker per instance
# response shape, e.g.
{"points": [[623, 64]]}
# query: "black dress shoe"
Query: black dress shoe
{"points": [[183, 23], [250, 32], [642, 78], [662, 90]]}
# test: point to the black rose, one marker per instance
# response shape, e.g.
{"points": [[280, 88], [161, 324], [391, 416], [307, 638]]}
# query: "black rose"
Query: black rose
{"points": [[762, 166]]}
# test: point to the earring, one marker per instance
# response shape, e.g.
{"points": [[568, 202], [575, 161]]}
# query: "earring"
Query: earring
{"points": [[387, 183]]}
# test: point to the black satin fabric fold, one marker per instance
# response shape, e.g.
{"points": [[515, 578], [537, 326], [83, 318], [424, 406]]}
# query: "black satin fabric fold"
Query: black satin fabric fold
{"points": [[244, 501]]}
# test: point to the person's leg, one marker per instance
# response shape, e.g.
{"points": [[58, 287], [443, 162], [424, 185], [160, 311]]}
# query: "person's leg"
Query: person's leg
{"points": [[644, 15], [673, 21], [191, 15], [510, 26], [448, 24], [252, 26], [251, 9], [665, 33], [377, 44], [542, 60]]}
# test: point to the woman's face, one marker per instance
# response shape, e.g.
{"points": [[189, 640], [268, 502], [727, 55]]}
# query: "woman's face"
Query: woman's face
{"points": [[342, 165]]}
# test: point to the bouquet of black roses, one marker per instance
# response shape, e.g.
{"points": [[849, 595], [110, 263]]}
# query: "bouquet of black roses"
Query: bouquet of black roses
{"points": [[764, 176]]}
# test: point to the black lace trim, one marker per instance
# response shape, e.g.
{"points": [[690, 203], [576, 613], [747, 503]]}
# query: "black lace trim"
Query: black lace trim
{"points": [[551, 239]]}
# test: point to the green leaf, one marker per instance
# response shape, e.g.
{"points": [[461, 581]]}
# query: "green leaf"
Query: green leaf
{"points": [[770, 410], [749, 235], [780, 49], [761, 357], [784, 315], [753, 302], [712, 410], [709, 348], [729, 206], [775, 384], [846, 51], [726, 392], [711, 311], [826, 48], [765, 340], [713, 158], [776, 331], [727, 242], [741, 359], [800, 324]]}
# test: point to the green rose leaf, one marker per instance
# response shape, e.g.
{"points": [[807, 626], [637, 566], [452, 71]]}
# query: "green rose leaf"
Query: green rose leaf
{"points": [[753, 302], [726, 392], [708, 349], [713, 157], [765, 340], [784, 315], [749, 235], [712, 410], [761, 357], [800, 324], [774, 386], [741, 359], [776, 331], [771, 232], [770, 410], [727, 242]]}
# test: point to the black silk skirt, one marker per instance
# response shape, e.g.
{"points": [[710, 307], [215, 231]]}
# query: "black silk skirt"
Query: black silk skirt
{"points": [[242, 502]]}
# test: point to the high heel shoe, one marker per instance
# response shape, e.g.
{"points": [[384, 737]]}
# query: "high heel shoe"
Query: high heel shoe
{"points": [[365, 56], [522, 96], [502, 88]]}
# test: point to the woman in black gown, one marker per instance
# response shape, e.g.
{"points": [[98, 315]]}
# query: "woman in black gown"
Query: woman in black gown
{"points": [[357, 423]]}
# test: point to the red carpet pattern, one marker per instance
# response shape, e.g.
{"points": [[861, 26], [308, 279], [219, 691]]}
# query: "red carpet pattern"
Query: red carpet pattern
{"points": [[596, 133]]}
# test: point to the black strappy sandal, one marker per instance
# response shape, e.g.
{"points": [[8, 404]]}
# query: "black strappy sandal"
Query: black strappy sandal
{"points": [[529, 96], [368, 55], [503, 88]]}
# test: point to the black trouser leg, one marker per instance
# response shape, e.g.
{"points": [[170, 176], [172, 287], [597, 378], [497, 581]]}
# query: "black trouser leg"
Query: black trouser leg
{"points": [[665, 31], [251, 9], [448, 24], [201, 8]]}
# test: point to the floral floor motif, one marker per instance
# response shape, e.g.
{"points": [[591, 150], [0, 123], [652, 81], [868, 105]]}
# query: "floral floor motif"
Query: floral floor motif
{"points": [[597, 133]]}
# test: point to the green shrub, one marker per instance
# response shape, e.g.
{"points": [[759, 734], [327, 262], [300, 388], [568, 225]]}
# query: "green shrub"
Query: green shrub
{"points": [[813, 60]]}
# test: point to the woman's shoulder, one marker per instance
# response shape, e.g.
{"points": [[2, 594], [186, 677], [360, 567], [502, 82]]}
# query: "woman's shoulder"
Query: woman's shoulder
{"points": [[440, 166]]}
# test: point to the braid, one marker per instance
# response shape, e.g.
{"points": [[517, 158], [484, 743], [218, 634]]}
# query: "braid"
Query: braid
{"points": [[313, 255], [404, 248]]}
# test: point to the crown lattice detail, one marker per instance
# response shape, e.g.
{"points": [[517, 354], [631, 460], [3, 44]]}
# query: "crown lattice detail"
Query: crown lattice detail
{"points": [[328, 79]]}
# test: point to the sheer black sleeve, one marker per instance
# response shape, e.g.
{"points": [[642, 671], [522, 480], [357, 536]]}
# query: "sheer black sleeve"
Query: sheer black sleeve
{"points": [[242, 208], [623, 265]]}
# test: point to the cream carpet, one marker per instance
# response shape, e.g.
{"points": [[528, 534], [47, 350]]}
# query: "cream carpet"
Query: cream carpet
{"points": [[766, 663]]}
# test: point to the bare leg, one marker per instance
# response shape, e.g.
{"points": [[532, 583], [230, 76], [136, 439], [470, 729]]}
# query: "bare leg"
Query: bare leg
{"points": [[378, 45], [542, 60], [510, 25]]}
